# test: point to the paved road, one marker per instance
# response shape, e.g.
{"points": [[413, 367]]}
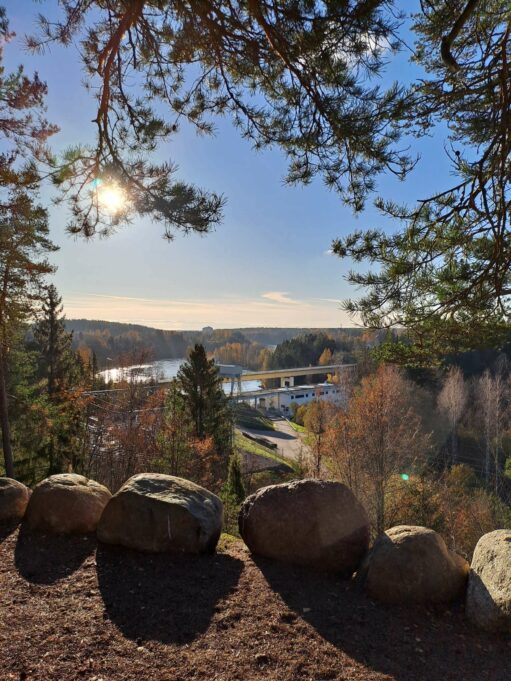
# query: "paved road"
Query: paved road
{"points": [[289, 443]]}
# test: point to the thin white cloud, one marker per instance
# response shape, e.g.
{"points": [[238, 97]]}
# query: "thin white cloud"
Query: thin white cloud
{"points": [[225, 312], [280, 297]]}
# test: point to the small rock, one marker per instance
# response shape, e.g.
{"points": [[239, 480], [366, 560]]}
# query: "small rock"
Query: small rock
{"points": [[262, 659]]}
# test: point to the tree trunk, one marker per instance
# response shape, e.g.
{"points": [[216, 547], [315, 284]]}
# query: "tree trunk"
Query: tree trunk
{"points": [[4, 423], [454, 448], [380, 510]]}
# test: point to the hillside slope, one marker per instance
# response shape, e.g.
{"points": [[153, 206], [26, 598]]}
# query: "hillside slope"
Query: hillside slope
{"points": [[71, 610]]}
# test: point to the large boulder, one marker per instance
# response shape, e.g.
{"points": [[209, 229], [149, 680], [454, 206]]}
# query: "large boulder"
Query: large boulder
{"points": [[14, 498], [155, 512], [313, 523], [412, 565], [66, 503], [489, 585]]}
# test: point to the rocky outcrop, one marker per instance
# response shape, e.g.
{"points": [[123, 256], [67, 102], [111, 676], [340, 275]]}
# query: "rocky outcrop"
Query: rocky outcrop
{"points": [[412, 565], [155, 512], [14, 498], [66, 503], [488, 603], [313, 523]]}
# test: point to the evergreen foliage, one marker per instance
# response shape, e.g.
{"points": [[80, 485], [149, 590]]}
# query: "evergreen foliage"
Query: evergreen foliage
{"points": [[445, 276], [24, 245], [207, 403], [301, 75], [305, 350], [58, 361], [23, 128], [234, 486]]}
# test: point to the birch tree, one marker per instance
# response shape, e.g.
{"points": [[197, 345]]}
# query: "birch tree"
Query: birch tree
{"points": [[452, 400], [491, 393]]}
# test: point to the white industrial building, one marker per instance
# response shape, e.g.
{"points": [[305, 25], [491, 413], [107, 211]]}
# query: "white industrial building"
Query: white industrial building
{"points": [[283, 399]]}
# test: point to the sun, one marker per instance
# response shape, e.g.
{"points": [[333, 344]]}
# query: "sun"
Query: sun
{"points": [[111, 198]]}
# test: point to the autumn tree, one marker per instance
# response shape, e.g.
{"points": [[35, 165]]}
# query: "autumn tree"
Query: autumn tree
{"points": [[175, 434], [452, 502], [452, 401], [326, 357], [376, 439], [316, 420]]}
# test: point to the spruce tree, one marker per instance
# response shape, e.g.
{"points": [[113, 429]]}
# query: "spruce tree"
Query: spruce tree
{"points": [[58, 361], [234, 485], [208, 405]]}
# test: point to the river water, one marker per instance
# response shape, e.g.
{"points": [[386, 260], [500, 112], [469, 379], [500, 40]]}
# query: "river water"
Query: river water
{"points": [[160, 370]]}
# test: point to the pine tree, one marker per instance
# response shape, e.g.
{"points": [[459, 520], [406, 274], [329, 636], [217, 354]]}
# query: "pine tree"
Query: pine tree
{"points": [[23, 128], [24, 244], [23, 224], [445, 275], [315, 67]]}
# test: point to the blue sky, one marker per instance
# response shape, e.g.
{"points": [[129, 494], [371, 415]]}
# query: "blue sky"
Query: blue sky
{"points": [[268, 264]]}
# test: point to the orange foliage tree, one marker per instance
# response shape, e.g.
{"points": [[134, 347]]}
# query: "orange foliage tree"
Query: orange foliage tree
{"points": [[378, 437]]}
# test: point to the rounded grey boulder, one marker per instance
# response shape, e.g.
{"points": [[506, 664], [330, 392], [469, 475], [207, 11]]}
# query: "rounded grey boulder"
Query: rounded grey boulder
{"points": [[488, 603], [14, 498], [412, 565], [66, 503], [313, 523], [158, 513]]}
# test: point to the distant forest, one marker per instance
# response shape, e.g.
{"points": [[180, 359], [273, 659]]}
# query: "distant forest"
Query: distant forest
{"points": [[116, 341]]}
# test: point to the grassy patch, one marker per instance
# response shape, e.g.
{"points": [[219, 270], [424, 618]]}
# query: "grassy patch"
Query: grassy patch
{"points": [[296, 427], [247, 445], [248, 417], [227, 541]]}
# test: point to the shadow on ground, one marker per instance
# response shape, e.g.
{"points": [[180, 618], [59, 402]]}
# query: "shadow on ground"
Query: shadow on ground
{"points": [[164, 597], [7, 528], [278, 435], [408, 645], [46, 558]]}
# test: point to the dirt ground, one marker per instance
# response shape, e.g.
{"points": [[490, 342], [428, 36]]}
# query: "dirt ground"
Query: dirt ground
{"points": [[70, 609]]}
